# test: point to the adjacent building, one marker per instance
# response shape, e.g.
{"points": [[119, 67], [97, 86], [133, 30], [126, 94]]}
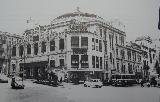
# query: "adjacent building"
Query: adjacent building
{"points": [[6, 41]]}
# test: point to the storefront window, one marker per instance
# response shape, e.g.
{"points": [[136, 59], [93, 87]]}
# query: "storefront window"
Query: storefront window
{"points": [[84, 61], [75, 61]]}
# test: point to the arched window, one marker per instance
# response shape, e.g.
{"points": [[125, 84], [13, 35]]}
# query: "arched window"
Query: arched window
{"points": [[36, 48], [52, 45], [43, 47], [21, 49], [14, 51], [29, 49]]}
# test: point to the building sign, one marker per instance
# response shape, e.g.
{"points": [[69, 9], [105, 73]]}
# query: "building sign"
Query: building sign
{"points": [[77, 26]]}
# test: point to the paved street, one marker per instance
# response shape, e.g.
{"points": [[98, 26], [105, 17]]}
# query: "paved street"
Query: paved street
{"points": [[77, 93], [31, 93]]}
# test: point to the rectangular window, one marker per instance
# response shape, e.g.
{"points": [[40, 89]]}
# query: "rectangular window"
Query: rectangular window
{"points": [[35, 48], [93, 44], [93, 61], [52, 45], [110, 41], [105, 36], [100, 45], [117, 52], [96, 48], [106, 66], [110, 57], [43, 47], [84, 42], [96, 40], [61, 44], [97, 62], [92, 39], [52, 63], [116, 40], [100, 32], [84, 61], [105, 46], [74, 42], [100, 62], [118, 67], [93, 47], [75, 61], [61, 62], [14, 51]]}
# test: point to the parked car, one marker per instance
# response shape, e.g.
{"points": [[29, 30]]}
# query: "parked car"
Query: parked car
{"points": [[93, 83], [158, 82], [3, 79], [106, 82]]}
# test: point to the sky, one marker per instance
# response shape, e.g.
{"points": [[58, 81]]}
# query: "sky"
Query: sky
{"points": [[140, 17]]}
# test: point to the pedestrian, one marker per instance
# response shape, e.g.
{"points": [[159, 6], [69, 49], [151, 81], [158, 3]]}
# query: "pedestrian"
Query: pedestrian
{"points": [[142, 82], [148, 84]]}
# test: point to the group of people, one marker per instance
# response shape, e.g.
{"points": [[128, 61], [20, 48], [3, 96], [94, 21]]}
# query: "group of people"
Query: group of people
{"points": [[151, 82], [51, 76]]}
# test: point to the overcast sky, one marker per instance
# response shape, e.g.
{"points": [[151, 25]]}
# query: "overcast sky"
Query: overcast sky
{"points": [[140, 17]]}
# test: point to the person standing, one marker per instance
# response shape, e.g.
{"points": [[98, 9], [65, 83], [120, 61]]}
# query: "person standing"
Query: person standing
{"points": [[142, 83]]}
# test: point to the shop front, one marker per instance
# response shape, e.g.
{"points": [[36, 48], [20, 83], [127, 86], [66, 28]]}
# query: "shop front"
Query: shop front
{"points": [[34, 69], [83, 75]]}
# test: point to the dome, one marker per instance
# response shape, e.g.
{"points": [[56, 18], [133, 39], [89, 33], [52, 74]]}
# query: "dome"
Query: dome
{"points": [[77, 14]]}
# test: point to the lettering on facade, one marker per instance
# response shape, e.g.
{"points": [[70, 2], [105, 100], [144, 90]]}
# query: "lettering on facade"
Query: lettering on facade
{"points": [[77, 26]]}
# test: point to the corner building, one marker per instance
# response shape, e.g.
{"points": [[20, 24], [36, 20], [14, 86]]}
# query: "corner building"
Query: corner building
{"points": [[80, 45]]}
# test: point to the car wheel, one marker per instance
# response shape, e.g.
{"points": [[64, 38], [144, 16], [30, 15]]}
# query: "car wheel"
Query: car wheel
{"points": [[85, 85], [100, 86]]}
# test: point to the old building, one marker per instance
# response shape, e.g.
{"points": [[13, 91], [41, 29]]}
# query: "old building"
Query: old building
{"points": [[149, 52], [80, 45], [6, 41]]}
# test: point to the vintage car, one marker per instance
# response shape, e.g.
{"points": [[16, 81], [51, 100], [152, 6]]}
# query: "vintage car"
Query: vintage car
{"points": [[93, 83], [158, 82], [3, 79], [17, 83]]}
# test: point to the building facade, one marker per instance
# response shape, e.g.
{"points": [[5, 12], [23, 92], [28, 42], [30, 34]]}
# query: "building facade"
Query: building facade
{"points": [[81, 45], [149, 55], [6, 41]]}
